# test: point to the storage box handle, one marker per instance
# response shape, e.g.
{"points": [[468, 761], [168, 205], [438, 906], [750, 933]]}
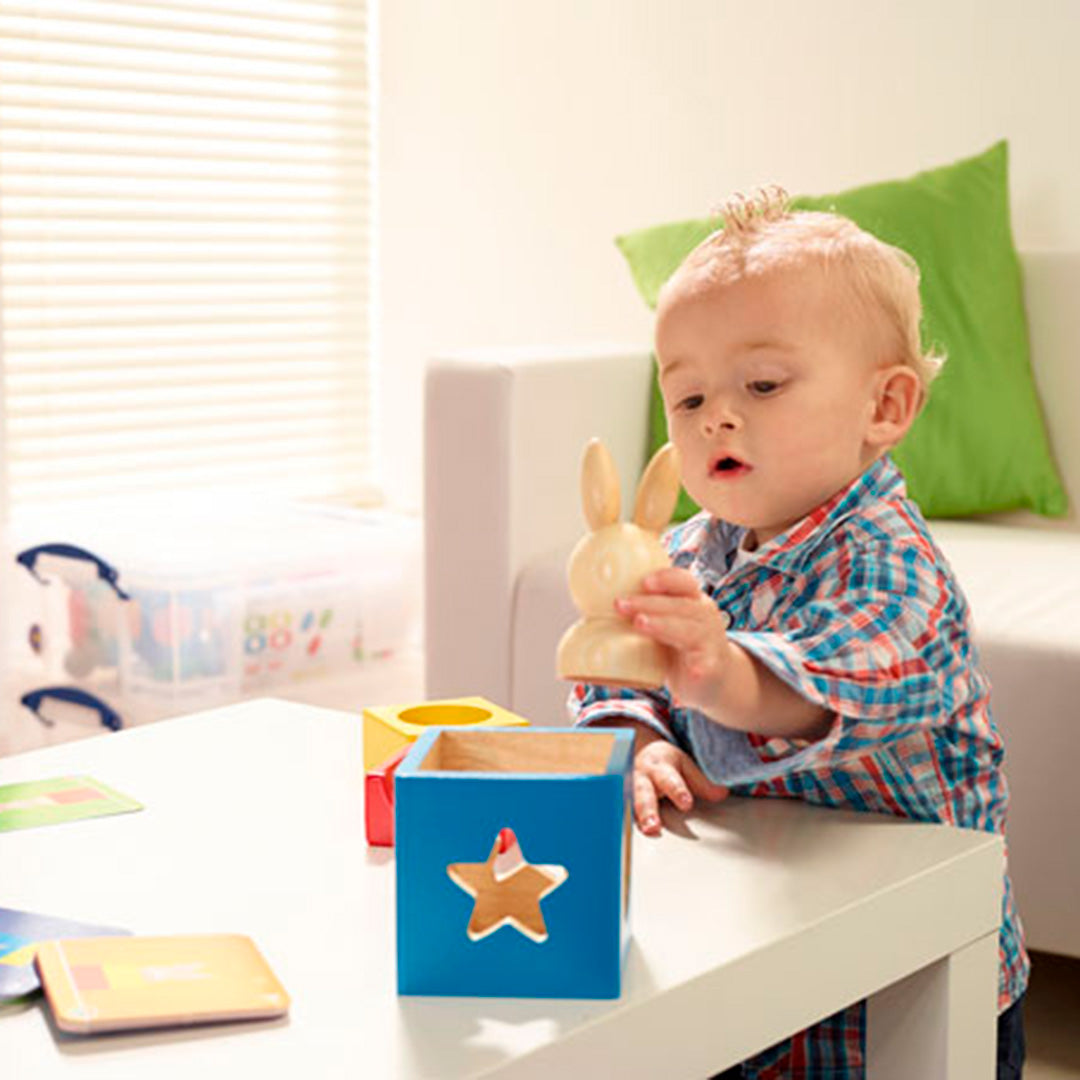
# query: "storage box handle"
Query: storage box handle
{"points": [[70, 696], [108, 574]]}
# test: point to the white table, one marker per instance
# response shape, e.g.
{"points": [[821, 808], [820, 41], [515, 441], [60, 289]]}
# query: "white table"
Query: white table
{"points": [[751, 921]]}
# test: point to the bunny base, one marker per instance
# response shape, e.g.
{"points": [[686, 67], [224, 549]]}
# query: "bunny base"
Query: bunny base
{"points": [[607, 652]]}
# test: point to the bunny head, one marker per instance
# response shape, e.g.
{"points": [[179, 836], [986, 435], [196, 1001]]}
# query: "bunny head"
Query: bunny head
{"points": [[614, 556], [610, 561]]}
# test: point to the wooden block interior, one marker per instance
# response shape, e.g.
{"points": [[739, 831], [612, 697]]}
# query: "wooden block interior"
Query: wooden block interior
{"points": [[520, 751]]}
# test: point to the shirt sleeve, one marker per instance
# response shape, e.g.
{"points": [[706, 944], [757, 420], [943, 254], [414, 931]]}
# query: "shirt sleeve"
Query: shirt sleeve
{"points": [[880, 641], [593, 704]]}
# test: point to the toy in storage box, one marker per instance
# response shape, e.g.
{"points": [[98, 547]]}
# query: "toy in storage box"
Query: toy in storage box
{"points": [[161, 609]]}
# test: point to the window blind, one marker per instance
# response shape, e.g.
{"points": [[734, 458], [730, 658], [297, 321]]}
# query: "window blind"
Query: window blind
{"points": [[184, 248]]}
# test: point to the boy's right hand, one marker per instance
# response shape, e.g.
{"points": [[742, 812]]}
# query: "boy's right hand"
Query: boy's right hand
{"points": [[662, 770]]}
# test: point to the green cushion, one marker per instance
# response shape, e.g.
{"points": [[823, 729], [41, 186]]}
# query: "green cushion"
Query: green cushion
{"points": [[980, 444]]}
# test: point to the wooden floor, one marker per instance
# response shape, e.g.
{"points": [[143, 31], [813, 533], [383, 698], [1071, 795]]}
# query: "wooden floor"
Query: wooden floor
{"points": [[1052, 1019]]}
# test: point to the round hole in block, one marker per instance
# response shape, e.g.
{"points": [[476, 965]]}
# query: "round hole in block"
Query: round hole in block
{"points": [[444, 715]]}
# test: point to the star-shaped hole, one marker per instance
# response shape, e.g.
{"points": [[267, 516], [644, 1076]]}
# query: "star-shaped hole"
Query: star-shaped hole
{"points": [[507, 890]]}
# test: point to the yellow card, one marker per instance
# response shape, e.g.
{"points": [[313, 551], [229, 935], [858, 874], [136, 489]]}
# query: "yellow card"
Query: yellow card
{"points": [[121, 983]]}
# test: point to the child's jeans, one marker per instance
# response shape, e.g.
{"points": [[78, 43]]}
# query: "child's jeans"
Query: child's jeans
{"points": [[1011, 1048], [1011, 1045]]}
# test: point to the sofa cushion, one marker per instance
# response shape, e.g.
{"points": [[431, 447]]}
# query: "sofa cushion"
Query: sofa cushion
{"points": [[980, 445], [1023, 584]]}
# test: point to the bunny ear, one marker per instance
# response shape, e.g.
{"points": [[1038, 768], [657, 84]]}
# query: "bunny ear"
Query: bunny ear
{"points": [[659, 490], [599, 486]]}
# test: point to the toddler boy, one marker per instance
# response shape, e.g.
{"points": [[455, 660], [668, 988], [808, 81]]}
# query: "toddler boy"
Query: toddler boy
{"points": [[818, 645]]}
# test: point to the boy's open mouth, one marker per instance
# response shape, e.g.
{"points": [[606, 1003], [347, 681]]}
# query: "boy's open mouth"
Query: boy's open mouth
{"points": [[728, 467]]}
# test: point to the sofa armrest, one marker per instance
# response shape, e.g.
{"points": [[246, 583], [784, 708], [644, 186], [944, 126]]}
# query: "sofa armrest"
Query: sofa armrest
{"points": [[504, 434], [1051, 281]]}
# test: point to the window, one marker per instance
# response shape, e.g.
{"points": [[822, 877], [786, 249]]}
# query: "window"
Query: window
{"points": [[184, 248]]}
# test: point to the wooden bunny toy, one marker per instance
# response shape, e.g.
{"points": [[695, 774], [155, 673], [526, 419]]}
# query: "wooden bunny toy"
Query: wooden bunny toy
{"points": [[610, 561]]}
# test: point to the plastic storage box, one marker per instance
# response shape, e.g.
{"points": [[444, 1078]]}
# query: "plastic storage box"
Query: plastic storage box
{"points": [[163, 608]]}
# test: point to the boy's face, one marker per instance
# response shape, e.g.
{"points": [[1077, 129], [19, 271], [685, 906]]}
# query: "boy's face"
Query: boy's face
{"points": [[769, 387]]}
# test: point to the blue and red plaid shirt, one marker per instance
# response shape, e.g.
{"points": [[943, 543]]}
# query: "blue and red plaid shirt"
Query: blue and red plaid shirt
{"points": [[856, 609]]}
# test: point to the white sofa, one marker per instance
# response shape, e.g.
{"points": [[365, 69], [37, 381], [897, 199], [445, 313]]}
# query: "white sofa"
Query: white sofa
{"points": [[504, 436]]}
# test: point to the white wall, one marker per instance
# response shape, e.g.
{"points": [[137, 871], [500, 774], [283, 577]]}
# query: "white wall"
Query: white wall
{"points": [[517, 138]]}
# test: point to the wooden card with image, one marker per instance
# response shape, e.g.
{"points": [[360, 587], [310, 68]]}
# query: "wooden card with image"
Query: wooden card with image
{"points": [[118, 984]]}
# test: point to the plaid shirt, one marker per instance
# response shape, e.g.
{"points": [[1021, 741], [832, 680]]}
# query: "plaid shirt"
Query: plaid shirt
{"points": [[856, 609]]}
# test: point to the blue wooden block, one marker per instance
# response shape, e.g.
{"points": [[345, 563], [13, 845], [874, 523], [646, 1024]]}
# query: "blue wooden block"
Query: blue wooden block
{"points": [[471, 918]]}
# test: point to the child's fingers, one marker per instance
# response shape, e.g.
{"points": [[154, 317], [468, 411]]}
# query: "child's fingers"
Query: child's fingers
{"points": [[698, 609], [701, 785], [669, 784], [673, 581], [684, 633], [646, 805], [660, 603]]}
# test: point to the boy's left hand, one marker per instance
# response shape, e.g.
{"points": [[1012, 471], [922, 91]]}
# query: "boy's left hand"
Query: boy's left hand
{"points": [[672, 609]]}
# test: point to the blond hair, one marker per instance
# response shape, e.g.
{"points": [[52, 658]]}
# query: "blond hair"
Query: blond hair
{"points": [[761, 234]]}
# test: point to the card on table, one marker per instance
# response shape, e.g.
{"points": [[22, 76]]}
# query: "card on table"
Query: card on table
{"points": [[52, 802], [118, 984], [20, 934]]}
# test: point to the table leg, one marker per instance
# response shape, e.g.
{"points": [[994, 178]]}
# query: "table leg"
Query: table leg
{"points": [[941, 1022]]}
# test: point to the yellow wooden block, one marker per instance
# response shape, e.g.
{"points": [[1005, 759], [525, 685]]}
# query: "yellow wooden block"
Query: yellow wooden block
{"points": [[387, 728]]}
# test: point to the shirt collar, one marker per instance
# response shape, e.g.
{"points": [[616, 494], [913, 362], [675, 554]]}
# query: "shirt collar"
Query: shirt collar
{"points": [[790, 550]]}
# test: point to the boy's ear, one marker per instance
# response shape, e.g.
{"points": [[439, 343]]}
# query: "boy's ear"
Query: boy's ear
{"points": [[898, 397]]}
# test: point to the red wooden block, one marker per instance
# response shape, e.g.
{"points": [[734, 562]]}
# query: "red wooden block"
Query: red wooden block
{"points": [[379, 800]]}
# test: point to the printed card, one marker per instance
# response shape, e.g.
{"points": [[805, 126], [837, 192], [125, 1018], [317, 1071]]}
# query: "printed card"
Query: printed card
{"points": [[53, 802], [117, 984]]}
